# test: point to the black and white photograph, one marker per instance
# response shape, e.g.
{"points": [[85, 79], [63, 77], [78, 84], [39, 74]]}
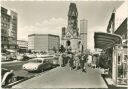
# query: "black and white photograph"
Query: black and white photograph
{"points": [[64, 44]]}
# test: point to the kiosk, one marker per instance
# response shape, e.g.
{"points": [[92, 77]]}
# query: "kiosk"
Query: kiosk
{"points": [[119, 56], [120, 65]]}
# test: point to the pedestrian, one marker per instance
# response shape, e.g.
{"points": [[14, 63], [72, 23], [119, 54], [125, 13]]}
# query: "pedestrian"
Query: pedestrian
{"points": [[94, 61], [61, 60], [77, 62], [65, 59], [89, 61], [71, 61], [83, 61]]}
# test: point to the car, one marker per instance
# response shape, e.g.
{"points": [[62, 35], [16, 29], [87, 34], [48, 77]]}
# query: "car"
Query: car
{"points": [[19, 57], [38, 65], [30, 56], [56, 60], [12, 56], [46, 56], [6, 57], [7, 76], [3, 57]]}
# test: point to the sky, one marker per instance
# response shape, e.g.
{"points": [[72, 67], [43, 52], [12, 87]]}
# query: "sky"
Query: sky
{"points": [[48, 17]]}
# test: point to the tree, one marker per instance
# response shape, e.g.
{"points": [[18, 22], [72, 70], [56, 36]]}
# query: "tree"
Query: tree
{"points": [[103, 61]]}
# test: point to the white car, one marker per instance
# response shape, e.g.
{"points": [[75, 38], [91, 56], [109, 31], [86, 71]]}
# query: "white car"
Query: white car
{"points": [[31, 55], [20, 57], [46, 56], [38, 64]]}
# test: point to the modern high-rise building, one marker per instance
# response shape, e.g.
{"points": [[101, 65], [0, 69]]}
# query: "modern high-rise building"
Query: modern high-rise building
{"points": [[5, 25], [13, 30], [83, 32], [8, 29], [43, 42]]}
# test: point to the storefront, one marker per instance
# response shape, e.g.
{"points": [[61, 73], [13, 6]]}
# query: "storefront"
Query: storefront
{"points": [[119, 58], [120, 66]]}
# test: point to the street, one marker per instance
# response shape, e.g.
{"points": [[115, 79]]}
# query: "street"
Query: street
{"points": [[65, 78], [17, 67]]}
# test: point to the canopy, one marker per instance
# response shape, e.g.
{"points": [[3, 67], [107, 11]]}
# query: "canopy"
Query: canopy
{"points": [[106, 40]]}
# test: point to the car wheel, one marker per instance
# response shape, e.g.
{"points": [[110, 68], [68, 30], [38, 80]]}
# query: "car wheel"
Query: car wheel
{"points": [[41, 70]]}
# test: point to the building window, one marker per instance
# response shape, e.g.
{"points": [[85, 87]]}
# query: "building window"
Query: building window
{"points": [[2, 38], [1, 24]]}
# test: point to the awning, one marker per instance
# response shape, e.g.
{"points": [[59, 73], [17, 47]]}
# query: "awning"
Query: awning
{"points": [[106, 40]]}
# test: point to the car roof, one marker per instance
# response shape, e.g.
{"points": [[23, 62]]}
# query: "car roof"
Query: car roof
{"points": [[38, 58], [47, 55]]}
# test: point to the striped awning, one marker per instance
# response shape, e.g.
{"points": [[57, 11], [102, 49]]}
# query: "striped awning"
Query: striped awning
{"points": [[106, 40]]}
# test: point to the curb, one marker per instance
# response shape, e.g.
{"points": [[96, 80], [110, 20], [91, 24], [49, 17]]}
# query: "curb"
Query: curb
{"points": [[17, 82], [104, 79], [26, 78]]}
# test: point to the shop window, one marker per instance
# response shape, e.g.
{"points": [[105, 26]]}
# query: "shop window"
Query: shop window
{"points": [[2, 24], [2, 38], [119, 60], [125, 58]]}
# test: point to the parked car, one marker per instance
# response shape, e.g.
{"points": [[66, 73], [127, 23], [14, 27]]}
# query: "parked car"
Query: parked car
{"points": [[12, 56], [30, 56], [46, 56], [20, 57], [56, 60], [3, 57], [7, 77], [38, 64], [6, 57]]}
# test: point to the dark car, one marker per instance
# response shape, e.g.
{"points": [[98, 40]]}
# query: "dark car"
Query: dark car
{"points": [[7, 76]]}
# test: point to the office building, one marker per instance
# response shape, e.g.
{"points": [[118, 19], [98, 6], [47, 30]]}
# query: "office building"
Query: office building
{"points": [[43, 42]]}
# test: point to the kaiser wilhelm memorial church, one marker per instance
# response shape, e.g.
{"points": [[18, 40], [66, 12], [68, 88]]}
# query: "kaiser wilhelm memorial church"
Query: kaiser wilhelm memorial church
{"points": [[71, 36]]}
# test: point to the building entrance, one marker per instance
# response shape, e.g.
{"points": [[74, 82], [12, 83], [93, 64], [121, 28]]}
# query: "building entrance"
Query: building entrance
{"points": [[68, 43]]}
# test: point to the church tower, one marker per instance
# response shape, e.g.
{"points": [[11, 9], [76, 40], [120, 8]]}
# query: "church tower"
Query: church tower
{"points": [[70, 35]]}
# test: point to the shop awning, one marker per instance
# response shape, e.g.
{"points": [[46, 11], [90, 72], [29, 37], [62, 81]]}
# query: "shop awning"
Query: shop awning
{"points": [[106, 40]]}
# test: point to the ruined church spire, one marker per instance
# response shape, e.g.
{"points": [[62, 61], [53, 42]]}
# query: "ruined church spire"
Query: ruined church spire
{"points": [[72, 20]]}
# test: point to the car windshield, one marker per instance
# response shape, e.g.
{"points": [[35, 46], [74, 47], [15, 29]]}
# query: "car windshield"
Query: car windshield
{"points": [[36, 61]]}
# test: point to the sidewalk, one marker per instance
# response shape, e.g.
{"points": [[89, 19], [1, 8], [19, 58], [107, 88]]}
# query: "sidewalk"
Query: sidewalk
{"points": [[111, 85], [65, 78]]}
